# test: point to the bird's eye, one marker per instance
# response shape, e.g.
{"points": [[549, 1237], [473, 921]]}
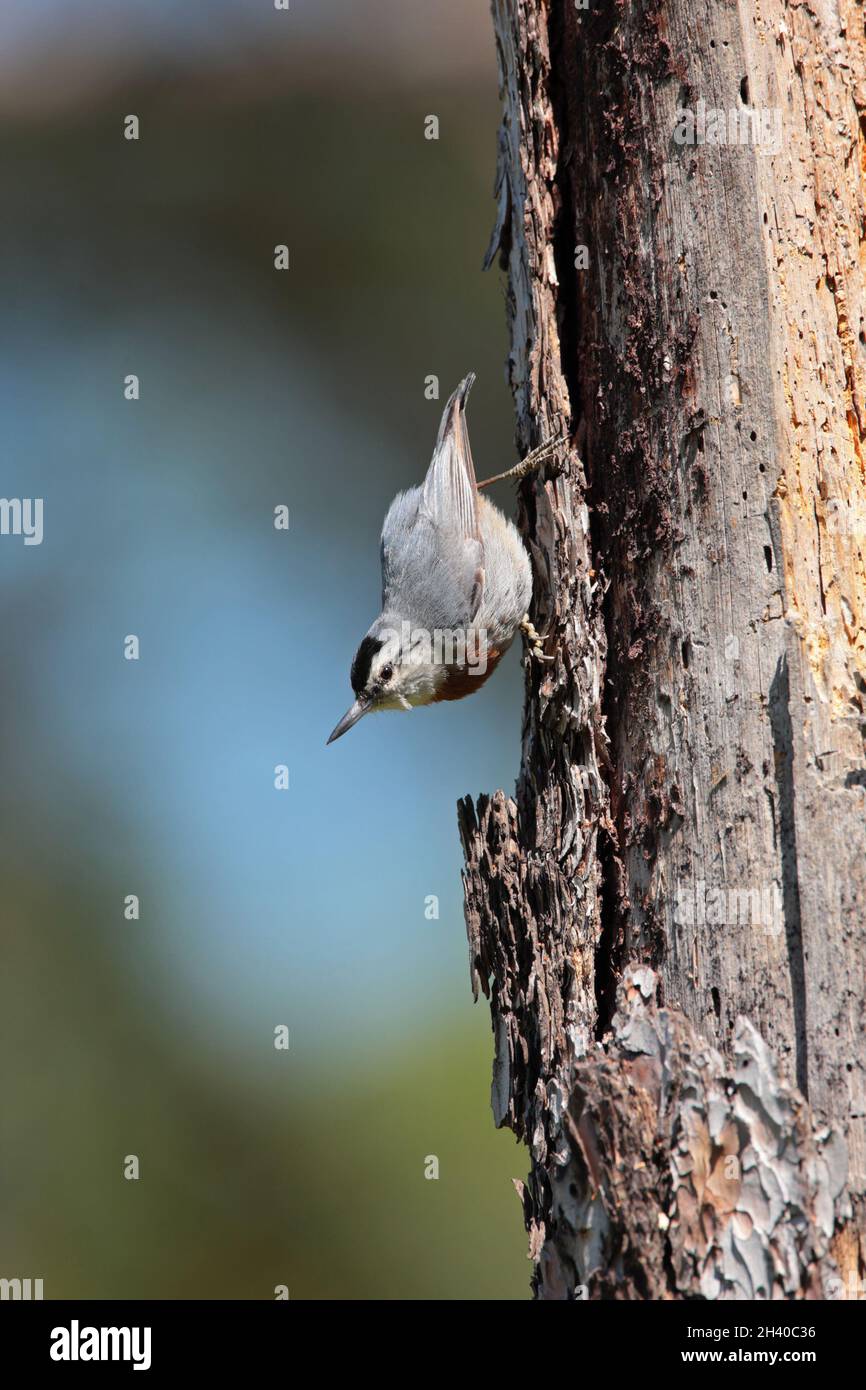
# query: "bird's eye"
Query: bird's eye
{"points": [[387, 672]]}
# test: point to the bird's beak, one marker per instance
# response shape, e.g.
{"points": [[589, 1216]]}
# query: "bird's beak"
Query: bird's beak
{"points": [[352, 715]]}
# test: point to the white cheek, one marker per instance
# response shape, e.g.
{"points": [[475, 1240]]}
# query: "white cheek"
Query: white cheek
{"points": [[422, 684]]}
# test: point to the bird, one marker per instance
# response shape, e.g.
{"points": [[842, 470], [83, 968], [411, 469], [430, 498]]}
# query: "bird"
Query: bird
{"points": [[456, 583]]}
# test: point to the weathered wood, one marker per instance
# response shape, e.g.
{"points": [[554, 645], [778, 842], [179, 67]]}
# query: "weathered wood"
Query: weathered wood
{"points": [[702, 578]]}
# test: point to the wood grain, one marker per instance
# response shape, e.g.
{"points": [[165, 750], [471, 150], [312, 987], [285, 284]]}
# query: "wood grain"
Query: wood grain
{"points": [[692, 799]]}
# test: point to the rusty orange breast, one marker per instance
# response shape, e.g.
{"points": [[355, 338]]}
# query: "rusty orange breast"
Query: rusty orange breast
{"points": [[462, 680]]}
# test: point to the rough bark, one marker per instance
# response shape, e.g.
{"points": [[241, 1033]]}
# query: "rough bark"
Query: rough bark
{"points": [[668, 918]]}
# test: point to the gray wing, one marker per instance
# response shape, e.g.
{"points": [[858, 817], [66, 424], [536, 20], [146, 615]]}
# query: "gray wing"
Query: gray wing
{"points": [[432, 549]]}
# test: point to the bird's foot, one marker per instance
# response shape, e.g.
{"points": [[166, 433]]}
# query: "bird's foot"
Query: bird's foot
{"points": [[533, 460], [534, 640]]}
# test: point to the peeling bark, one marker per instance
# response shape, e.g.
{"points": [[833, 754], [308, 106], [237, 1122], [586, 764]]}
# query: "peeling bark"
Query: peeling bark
{"points": [[667, 917]]}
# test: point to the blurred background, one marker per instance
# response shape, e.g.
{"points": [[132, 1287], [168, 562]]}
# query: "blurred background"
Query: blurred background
{"points": [[155, 777]]}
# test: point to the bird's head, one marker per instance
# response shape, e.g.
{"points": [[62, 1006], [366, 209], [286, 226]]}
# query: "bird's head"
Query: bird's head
{"points": [[394, 668]]}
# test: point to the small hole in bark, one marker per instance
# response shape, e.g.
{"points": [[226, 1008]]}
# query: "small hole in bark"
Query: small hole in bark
{"points": [[761, 468], [768, 556], [745, 496], [744, 91], [752, 436], [765, 219], [713, 294], [717, 1002], [686, 649]]}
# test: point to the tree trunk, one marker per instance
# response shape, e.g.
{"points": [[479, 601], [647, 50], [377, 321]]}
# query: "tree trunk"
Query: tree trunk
{"points": [[668, 919]]}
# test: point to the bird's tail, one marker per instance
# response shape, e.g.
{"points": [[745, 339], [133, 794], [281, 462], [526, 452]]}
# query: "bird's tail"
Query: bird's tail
{"points": [[454, 408], [449, 488]]}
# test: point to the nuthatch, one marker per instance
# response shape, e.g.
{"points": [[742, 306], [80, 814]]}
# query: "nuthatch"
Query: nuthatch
{"points": [[456, 583]]}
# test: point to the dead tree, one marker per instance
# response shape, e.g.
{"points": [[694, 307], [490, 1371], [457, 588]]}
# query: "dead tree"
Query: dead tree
{"points": [[668, 919]]}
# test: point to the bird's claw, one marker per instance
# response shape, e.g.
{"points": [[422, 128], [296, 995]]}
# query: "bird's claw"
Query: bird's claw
{"points": [[534, 640]]}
